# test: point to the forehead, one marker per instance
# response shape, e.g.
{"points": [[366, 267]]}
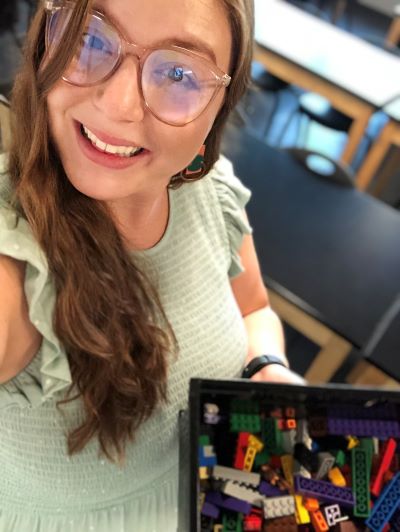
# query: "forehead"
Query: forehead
{"points": [[149, 22]]}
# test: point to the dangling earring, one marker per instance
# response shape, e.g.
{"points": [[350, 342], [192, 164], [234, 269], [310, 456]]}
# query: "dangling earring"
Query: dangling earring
{"points": [[195, 170]]}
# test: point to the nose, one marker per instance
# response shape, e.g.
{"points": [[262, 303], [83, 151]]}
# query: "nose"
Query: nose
{"points": [[119, 97]]}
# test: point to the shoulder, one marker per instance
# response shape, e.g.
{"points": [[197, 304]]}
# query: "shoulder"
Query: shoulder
{"points": [[19, 340]]}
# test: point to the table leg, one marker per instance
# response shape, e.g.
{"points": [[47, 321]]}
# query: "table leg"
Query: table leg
{"points": [[340, 8], [328, 360], [356, 133], [393, 35], [389, 135], [365, 373]]}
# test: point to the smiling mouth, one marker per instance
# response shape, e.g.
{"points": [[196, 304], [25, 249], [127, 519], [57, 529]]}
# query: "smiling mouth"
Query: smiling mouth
{"points": [[117, 151]]}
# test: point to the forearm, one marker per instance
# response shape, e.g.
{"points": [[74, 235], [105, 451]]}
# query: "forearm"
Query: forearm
{"points": [[265, 334]]}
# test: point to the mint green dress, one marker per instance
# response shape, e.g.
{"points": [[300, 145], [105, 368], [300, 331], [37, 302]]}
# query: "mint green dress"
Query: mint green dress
{"points": [[42, 489]]}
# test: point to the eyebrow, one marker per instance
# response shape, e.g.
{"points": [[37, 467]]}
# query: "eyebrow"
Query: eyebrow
{"points": [[191, 42]]}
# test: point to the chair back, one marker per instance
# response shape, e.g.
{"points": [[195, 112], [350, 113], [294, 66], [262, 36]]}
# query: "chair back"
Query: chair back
{"points": [[323, 166]]}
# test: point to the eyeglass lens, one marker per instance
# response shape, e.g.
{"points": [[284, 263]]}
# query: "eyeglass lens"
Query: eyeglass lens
{"points": [[176, 86]]}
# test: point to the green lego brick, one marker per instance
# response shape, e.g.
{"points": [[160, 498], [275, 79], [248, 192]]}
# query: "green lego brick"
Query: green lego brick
{"points": [[360, 481], [262, 458], [242, 406], [368, 445], [272, 436], [204, 440], [340, 457], [232, 522], [245, 423]]}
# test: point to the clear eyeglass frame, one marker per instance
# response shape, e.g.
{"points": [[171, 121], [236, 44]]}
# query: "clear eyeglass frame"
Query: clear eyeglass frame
{"points": [[217, 76]]}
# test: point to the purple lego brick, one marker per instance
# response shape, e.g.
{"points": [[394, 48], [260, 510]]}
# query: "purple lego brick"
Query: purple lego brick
{"points": [[380, 411], [385, 506], [210, 510], [324, 491], [228, 503], [269, 490], [379, 428]]}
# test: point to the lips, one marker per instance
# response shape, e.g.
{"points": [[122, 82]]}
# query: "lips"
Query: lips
{"points": [[110, 160]]}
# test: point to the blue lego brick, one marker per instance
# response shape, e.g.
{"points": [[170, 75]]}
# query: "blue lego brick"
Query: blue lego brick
{"points": [[385, 506], [228, 503], [324, 491], [206, 461], [210, 510]]}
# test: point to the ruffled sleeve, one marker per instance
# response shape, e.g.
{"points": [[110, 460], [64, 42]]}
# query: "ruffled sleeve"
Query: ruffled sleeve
{"points": [[233, 197], [49, 371]]}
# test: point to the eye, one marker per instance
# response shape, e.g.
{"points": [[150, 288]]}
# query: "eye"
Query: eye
{"points": [[178, 76], [94, 42]]}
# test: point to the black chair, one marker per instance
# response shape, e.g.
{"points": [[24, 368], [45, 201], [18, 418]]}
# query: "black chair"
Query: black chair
{"points": [[314, 107], [255, 110], [323, 166]]}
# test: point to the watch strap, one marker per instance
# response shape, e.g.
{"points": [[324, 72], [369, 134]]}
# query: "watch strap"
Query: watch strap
{"points": [[260, 362]]}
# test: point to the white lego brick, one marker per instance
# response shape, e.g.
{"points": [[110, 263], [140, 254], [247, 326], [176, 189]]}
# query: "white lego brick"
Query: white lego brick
{"points": [[302, 434], [229, 473], [288, 440], [279, 506], [245, 494], [332, 514]]}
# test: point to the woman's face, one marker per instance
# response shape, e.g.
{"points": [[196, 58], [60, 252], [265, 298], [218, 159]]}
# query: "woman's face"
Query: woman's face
{"points": [[115, 113]]}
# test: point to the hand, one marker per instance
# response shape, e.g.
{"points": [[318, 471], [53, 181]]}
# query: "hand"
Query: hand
{"points": [[277, 373]]}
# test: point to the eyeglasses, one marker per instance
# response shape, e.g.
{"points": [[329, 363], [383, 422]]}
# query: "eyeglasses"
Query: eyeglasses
{"points": [[175, 84]]}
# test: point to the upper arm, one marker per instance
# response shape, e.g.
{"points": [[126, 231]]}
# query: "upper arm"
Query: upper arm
{"points": [[19, 340], [248, 287]]}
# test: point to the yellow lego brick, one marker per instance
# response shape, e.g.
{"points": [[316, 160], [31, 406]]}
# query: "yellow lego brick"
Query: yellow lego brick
{"points": [[336, 477], [302, 515], [249, 458], [203, 473], [218, 528], [256, 443], [353, 442], [287, 467]]}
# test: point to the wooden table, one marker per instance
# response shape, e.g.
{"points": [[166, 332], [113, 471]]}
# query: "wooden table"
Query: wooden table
{"points": [[390, 8], [390, 135], [354, 75], [330, 254]]}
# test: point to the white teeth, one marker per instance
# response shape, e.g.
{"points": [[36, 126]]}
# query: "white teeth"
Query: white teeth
{"points": [[123, 151]]}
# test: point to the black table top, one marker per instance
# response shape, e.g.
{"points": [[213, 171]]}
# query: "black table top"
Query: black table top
{"points": [[332, 250]]}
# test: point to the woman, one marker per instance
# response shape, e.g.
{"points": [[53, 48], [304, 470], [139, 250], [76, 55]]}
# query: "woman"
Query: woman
{"points": [[116, 258]]}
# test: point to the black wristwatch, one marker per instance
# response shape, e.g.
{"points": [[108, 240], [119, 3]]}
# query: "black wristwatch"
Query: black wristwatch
{"points": [[258, 363]]}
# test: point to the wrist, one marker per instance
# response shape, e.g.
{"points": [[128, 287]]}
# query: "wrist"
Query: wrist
{"points": [[256, 364]]}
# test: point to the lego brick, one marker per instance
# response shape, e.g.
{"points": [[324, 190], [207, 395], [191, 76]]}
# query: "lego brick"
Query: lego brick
{"points": [[252, 523], [287, 467], [385, 506], [376, 483], [324, 491], [228, 503], [325, 464], [281, 524], [249, 458], [211, 414], [262, 458], [288, 441], [305, 457], [360, 481], [278, 506], [232, 522], [271, 435], [318, 521], [269, 490], [311, 504], [318, 426], [241, 446], [245, 422], [332, 514], [210, 510], [352, 442], [381, 428], [336, 477], [302, 514], [229, 473], [244, 493], [302, 433]]}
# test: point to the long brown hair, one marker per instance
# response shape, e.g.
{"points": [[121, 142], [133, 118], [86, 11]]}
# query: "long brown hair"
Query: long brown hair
{"points": [[108, 315]]}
